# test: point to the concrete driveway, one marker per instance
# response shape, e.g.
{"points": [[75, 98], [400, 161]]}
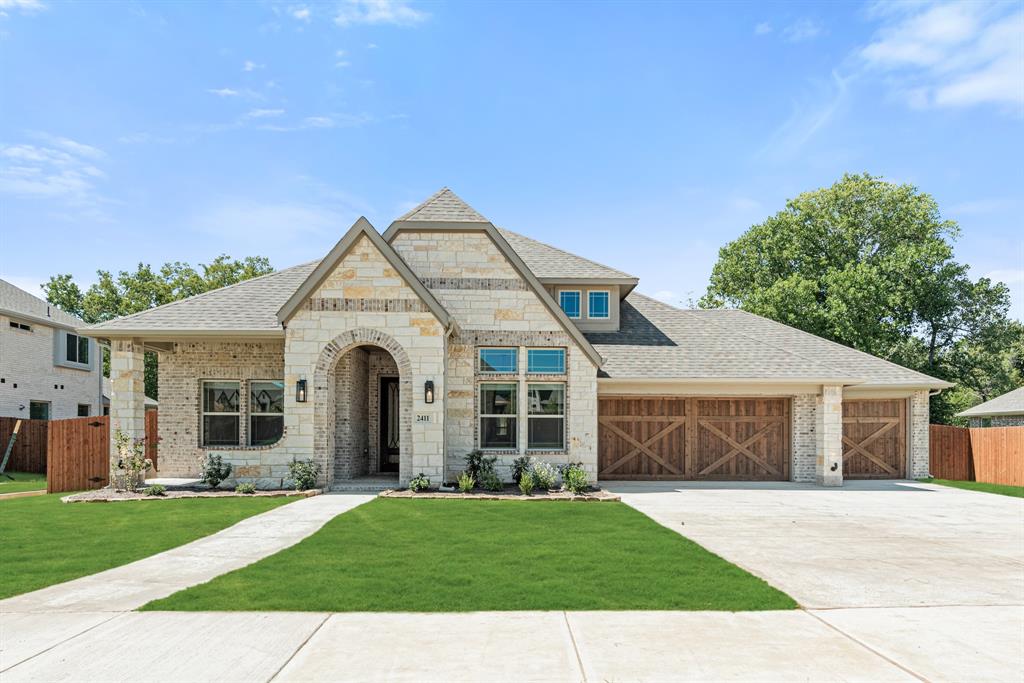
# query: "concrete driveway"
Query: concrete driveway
{"points": [[927, 576]]}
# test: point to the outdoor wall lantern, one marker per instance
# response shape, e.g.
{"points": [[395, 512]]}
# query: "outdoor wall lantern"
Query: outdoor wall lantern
{"points": [[428, 392], [300, 391]]}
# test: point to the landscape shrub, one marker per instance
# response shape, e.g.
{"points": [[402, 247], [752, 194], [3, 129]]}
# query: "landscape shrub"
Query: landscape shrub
{"points": [[526, 483], [574, 479], [519, 465], [247, 487], [466, 482], [419, 483], [304, 473], [478, 464], [215, 470], [543, 473], [155, 490], [492, 482], [131, 460]]}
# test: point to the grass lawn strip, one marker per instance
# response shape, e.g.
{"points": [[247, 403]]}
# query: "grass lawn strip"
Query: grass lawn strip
{"points": [[1001, 489], [23, 481], [46, 541], [457, 556]]}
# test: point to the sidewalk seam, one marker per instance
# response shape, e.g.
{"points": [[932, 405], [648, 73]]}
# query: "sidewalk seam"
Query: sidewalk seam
{"points": [[866, 646], [575, 647], [301, 645], [57, 644]]}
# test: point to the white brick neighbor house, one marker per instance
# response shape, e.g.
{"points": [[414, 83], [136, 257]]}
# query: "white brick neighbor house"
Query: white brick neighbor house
{"points": [[1006, 410], [400, 353], [47, 369]]}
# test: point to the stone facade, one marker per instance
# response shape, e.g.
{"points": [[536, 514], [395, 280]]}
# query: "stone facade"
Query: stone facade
{"points": [[127, 393], [828, 427]]}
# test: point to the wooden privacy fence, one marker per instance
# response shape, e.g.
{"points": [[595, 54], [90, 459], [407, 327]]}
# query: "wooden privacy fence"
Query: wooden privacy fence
{"points": [[29, 454], [78, 455], [994, 455]]}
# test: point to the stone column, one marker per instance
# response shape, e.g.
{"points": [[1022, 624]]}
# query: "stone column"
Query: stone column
{"points": [[127, 393], [829, 436]]}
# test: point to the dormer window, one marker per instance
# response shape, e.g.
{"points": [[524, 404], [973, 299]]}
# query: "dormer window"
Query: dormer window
{"points": [[597, 307], [569, 300]]}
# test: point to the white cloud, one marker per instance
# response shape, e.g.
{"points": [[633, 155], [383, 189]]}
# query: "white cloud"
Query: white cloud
{"points": [[763, 28], [982, 206], [371, 46], [397, 12], [250, 65], [300, 12], [321, 122], [264, 113], [801, 30], [22, 6], [223, 92], [341, 62], [811, 113], [61, 170], [951, 54], [1009, 276], [666, 295]]}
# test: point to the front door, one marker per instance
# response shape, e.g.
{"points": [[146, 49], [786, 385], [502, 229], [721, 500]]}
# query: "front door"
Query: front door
{"points": [[389, 424]]}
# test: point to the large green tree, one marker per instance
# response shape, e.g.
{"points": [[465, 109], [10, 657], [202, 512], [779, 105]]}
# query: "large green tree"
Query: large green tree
{"points": [[131, 292], [869, 264]]}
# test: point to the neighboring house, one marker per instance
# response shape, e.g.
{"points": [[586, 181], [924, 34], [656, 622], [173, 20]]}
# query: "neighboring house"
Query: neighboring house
{"points": [[47, 370], [1002, 411], [151, 403], [402, 352]]}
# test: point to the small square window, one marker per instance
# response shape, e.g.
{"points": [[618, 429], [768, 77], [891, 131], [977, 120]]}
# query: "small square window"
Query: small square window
{"points": [[39, 410], [499, 360], [598, 305], [83, 410], [548, 361], [570, 303]]}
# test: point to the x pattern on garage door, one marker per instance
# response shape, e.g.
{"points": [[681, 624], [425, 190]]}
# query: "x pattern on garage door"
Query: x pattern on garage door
{"points": [[668, 437], [875, 439]]}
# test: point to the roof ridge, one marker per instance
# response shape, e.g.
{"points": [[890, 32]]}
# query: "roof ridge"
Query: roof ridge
{"points": [[436, 198], [563, 251], [131, 316], [43, 301]]}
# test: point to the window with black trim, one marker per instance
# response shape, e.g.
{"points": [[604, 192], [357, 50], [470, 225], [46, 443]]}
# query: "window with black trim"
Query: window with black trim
{"points": [[266, 412], [498, 410], [84, 409], [220, 413], [77, 349], [546, 416]]}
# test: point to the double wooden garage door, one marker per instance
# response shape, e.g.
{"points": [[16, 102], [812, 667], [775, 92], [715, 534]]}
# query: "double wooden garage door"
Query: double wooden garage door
{"points": [[669, 437]]}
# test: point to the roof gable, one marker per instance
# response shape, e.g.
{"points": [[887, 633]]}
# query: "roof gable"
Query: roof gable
{"points": [[444, 205], [361, 228], [16, 302], [1010, 403]]}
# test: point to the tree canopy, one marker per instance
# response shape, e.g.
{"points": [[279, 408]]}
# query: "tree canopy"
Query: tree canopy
{"points": [[869, 264], [131, 292]]}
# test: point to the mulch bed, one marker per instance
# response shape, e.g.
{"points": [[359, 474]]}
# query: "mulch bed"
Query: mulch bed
{"points": [[510, 493], [112, 496]]}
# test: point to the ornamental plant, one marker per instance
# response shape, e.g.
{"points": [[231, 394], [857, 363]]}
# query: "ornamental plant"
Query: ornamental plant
{"points": [[520, 465], [526, 483], [491, 481], [544, 474], [478, 464], [304, 473], [132, 464], [419, 483], [466, 482], [215, 470], [155, 490], [574, 479]]}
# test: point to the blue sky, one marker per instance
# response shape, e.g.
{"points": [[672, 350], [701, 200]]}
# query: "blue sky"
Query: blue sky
{"points": [[644, 136]]}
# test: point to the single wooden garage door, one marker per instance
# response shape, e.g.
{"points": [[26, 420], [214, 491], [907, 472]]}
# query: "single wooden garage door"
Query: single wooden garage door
{"points": [[670, 437], [875, 439]]}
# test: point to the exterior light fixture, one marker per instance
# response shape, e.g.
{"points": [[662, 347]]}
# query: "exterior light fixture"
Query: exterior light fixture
{"points": [[428, 392], [300, 391]]}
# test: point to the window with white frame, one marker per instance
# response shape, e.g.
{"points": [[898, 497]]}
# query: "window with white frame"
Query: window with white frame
{"points": [[499, 361], [545, 361], [266, 412], [221, 413], [77, 349], [546, 416], [570, 302], [498, 411], [597, 305]]}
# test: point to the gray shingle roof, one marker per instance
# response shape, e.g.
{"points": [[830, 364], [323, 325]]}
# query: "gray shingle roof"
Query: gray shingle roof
{"points": [[1010, 403], [658, 341], [444, 206], [16, 300], [548, 262], [247, 306]]}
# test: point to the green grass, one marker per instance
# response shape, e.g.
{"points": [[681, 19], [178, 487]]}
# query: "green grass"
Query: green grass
{"points": [[1001, 489], [23, 481], [44, 541], [453, 555]]}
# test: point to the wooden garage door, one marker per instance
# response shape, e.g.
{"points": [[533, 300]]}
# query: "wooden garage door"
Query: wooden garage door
{"points": [[668, 437], [875, 439]]}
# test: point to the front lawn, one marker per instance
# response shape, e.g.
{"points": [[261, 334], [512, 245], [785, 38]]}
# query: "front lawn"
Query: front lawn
{"points": [[44, 541], [456, 556], [23, 481], [1001, 489]]}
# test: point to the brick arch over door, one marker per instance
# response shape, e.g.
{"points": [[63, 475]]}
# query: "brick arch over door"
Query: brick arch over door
{"points": [[324, 403]]}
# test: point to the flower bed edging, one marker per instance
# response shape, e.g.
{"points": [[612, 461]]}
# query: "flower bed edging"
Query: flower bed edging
{"points": [[171, 494], [594, 496]]}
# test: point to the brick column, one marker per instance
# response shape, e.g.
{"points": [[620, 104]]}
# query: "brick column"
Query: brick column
{"points": [[127, 392], [919, 446], [829, 436]]}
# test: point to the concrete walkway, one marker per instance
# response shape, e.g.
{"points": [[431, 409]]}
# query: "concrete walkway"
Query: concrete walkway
{"points": [[132, 585]]}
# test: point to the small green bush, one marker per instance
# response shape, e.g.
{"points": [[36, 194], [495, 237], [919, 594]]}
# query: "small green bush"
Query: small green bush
{"points": [[304, 473], [247, 487], [492, 482], [520, 465], [544, 474], [526, 483], [466, 482], [419, 483], [574, 479], [155, 490], [215, 470], [478, 464]]}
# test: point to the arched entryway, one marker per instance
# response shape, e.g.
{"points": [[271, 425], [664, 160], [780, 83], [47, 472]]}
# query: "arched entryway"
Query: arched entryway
{"points": [[363, 407]]}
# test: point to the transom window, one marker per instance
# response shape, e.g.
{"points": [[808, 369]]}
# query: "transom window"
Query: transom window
{"points": [[499, 360], [547, 361], [499, 406], [220, 413], [77, 349], [597, 305], [570, 303], [21, 326], [266, 412], [546, 416]]}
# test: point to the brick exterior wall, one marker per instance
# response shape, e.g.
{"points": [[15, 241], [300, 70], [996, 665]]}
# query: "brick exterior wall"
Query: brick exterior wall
{"points": [[351, 435], [804, 447], [381, 364], [919, 418], [27, 360], [998, 421]]}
